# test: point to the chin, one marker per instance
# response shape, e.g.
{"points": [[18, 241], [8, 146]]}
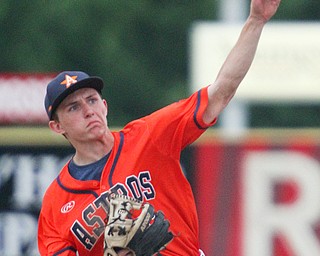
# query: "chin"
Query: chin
{"points": [[98, 132]]}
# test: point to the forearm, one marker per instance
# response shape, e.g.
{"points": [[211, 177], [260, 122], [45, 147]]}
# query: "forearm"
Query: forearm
{"points": [[239, 60], [233, 69]]}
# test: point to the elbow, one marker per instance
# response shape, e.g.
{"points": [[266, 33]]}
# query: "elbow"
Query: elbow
{"points": [[222, 93], [218, 99]]}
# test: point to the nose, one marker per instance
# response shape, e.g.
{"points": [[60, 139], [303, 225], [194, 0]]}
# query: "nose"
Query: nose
{"points": [[87, 110]]}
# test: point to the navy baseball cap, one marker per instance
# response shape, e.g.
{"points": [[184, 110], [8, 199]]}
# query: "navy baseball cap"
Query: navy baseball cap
{"points": [[66, 83]]}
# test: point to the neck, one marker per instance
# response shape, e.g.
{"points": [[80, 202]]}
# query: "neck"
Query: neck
{"points": [[93, 151]]}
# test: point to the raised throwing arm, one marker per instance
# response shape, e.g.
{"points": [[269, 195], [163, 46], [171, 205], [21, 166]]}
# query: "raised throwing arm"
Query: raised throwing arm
{"points": [[240, 58]]}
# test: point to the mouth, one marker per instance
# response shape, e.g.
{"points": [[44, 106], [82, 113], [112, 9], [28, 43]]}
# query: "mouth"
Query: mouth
{"points": [[93, 123]]}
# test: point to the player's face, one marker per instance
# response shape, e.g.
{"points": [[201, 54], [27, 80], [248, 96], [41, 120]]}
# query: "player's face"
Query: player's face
{"points": [[82, 116]]}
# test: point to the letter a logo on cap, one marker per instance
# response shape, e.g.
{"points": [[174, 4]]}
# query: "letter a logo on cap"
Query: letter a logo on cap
{"points": [[69, 80]]}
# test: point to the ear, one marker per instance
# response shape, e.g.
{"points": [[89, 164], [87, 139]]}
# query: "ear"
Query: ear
{"points": [[56, 127], [106, 105]]}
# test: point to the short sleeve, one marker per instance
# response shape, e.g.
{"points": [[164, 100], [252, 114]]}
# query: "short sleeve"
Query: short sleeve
{"points": [[175, 126]]}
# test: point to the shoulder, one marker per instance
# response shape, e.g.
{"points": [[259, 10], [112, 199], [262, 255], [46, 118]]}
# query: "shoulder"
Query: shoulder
{"points": [[135, 126]]}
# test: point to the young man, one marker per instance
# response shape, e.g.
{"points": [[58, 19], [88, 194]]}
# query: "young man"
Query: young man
{"points": [[141, 161]]}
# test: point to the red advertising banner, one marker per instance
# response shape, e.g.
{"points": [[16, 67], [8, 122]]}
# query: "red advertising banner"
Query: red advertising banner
{"points": [[259, 195], [22, 97]]}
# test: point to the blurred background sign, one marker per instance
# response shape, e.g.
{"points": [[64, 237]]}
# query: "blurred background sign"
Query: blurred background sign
{"points": [[286, 66], [285, 69], [258, 195], [22, 98]]}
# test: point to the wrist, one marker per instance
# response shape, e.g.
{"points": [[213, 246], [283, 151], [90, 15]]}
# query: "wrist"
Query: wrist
{"points": [[257, 20]]}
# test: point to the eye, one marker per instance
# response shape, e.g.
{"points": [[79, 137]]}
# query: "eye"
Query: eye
{"points": [[73, 107], [92, 100]]}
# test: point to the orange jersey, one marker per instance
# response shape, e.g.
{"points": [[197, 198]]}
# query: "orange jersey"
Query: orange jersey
{"points": [[144, 163]]}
